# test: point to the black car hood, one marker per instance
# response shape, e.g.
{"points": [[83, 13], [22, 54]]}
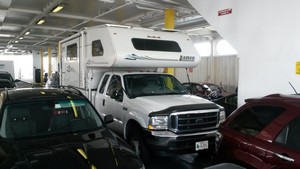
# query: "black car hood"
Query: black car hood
{"points": [[97, 149]]}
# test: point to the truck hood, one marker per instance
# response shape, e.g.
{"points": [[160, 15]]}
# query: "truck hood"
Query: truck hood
{"points": [[157, 103]]}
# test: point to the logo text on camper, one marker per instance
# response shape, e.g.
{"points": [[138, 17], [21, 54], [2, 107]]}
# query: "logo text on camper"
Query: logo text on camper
{"points": [[187, 58]]}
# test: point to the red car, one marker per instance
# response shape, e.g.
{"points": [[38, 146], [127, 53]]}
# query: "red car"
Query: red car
{"points": [[264, 133]]}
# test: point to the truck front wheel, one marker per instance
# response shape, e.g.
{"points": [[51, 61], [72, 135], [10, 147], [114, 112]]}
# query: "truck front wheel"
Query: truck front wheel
{"points": [[138, 145]]}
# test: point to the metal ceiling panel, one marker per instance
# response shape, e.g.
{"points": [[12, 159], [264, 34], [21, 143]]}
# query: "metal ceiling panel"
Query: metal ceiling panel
{"points": [[20, 16]]}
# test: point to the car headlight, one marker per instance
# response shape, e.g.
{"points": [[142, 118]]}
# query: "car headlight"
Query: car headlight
{"points": [[222, 116], [158, 123]]}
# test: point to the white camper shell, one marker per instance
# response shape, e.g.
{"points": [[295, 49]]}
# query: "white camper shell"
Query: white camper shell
{"points": [[116, 67], [122, 47]]}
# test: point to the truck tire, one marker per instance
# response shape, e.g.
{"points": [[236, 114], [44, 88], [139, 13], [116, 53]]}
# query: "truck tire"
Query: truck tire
{"points": [[138, 144]]}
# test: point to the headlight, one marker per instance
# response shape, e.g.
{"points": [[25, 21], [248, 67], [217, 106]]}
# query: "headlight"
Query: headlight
{"points": [[158, 123], [222, 116]]}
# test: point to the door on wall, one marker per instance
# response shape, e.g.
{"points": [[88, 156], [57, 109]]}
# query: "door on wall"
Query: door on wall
{"points": [[70, 63]]}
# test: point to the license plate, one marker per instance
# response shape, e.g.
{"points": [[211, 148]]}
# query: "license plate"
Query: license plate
{"points": [[201, 145]]}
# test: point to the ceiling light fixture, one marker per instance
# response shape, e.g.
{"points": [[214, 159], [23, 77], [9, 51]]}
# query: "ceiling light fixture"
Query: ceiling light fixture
{"points": [[16, 41], [109, 1], [21, 37], [41, 21], [27, 33], [6, 35], [58, 8]]}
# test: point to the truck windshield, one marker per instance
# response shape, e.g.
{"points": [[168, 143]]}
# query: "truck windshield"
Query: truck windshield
{"points": [[152, 84]]}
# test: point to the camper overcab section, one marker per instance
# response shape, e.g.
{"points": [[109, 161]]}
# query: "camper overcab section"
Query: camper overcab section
{"points": [[117, 68], [107, 47]]}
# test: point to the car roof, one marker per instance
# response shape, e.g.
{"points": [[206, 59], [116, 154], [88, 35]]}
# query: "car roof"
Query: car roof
{"points": [[288, 98], [4, 72], [26, 94]]}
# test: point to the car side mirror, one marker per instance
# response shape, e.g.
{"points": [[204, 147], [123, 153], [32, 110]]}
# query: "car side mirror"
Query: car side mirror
{"points": [[17, 80], [108, 119]]}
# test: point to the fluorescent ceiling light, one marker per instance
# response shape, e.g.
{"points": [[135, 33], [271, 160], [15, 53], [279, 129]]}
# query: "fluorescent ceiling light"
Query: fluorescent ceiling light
{"points": [[109, 1], [41, 21], [16, 41], [58, 8], [27, 33], [6, 35], [21, 37]]}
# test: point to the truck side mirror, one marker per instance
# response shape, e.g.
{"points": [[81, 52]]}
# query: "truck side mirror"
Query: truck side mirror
{"points": [[108, 119], [117, 95]]}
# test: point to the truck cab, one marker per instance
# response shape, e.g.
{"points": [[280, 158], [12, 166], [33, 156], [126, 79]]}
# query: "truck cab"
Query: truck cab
{"points": [[156, 114]]}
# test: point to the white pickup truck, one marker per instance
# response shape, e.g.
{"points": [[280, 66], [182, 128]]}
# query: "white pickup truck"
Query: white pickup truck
{"points": [[117, 68]]}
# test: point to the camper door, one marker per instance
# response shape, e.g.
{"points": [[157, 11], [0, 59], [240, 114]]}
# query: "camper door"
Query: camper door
{"points": [[70, 63]]}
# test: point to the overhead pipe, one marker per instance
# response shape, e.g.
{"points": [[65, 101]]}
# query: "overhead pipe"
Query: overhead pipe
{"points": [[148, 8]]}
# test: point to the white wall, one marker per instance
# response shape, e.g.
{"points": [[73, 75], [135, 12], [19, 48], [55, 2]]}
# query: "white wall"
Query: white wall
{"points": [[23, 66], [266, 37], [213, 69]]}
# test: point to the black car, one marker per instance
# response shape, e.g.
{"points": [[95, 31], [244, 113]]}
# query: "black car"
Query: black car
{"points": [[4, 83], [58, 129], [229, 103], [7, 76], [208, 91]]}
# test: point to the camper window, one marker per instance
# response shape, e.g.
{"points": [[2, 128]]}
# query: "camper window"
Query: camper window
{"points": [[72, 52], [97, 48], [155, 45]]}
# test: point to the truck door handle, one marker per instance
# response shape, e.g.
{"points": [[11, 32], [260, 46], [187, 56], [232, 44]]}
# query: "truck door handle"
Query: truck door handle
{"points": [[103, 102], [284, 157]]}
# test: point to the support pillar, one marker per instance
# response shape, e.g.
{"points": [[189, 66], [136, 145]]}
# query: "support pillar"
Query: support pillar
{"points": [[42, 66], [49, 62], [169, 24]]}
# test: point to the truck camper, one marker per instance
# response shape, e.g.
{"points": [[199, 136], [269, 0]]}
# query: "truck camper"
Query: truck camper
{"points": [[117, 68]]}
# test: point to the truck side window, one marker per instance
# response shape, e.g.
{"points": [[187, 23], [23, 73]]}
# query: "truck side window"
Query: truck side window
{"points": [[97, 48], [114, 85], [101, 90], [72, 52]]}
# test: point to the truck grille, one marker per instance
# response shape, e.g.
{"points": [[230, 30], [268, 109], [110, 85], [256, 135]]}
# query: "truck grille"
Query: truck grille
{"points": [[196, 121]]}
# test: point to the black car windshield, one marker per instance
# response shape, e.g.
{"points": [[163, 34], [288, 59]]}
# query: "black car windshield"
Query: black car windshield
{"points": [[137, 85], [48, 117]]}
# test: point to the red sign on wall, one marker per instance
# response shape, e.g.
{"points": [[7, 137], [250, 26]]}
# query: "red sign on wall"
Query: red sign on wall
{"points": [[224, 12]]}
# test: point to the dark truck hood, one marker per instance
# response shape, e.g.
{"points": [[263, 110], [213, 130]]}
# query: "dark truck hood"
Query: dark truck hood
{"points": [[97, 149]]}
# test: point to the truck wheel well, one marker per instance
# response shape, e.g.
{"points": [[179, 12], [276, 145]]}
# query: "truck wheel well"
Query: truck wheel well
{"points": [[131, 124]]}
